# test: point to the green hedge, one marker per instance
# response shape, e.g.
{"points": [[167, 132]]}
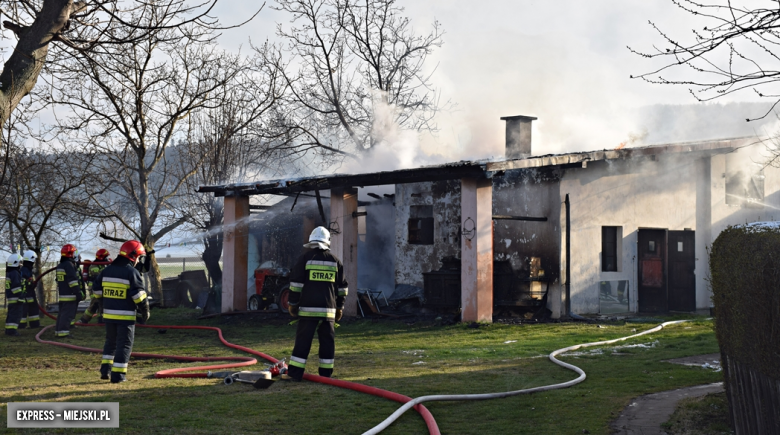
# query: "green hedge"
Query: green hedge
{"points": [[745, 277]]}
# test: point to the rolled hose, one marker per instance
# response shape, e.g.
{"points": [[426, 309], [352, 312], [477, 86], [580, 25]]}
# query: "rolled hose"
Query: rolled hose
{"points": [[486, 396], [430, 422]]}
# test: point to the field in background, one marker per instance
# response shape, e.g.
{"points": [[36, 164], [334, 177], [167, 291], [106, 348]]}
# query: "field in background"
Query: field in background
{"points": [[409, 357], [169, 267]]}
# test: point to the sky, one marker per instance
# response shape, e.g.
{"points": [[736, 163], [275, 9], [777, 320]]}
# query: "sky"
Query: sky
{"points": [[565, 62]]}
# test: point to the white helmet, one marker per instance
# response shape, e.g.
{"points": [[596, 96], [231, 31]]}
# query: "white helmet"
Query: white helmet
{"points": [[13, 260], [319, 238], [29, 255]]}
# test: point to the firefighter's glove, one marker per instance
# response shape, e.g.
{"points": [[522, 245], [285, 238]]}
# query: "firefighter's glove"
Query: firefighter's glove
{"points": [[339, 313], [294, 310], [143, 312]]}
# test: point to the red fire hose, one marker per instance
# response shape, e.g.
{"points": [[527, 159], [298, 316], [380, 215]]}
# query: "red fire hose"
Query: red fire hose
{"points": [[433, 428]]}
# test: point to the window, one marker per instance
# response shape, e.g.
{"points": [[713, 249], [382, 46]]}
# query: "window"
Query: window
{"points": [[610, 247], [421, 225], [744, 182]]}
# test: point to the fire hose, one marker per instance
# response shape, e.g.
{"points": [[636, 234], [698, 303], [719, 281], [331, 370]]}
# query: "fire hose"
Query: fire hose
{"points": [[486, 396], [433, 428]]}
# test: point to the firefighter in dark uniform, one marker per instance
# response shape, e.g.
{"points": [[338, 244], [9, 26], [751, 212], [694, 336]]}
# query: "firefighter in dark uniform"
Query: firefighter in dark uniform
{"points": [[71, 290], [317, 293], [13, 294], [93, 270], [31, 312], [120, 289]]}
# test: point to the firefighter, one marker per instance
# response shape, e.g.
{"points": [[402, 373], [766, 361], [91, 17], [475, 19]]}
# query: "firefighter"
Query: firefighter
{"points": [[31, 312], [102, 256], [120, 289], [317, 292], [71, 290], [13, 295]]}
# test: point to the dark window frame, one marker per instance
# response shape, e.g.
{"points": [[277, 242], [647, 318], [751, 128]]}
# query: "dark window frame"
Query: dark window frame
{"points": [[609, 249], [420, 225]]}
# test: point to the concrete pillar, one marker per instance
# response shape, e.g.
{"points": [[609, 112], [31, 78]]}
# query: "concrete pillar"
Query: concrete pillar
{"points": [[343, 202], [234, 254], [476, 247], [703, 230]]}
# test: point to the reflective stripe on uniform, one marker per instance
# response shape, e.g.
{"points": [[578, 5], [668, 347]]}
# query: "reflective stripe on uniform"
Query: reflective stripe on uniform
{"points": [[139, 297], [326, 363], [33, 318], [107, 359], [61, 333], [119, 315], [30, 300], [116, 280], [11, 326], [322, 265], [296, 287], [73, 283], [119, 367], [298, 362], [12, 300], [67, 298], [343, 291], [328, 313], [16, 289]]}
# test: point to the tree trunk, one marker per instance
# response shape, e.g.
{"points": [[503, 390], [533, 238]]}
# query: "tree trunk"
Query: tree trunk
{"points": [[22, 68], [211, 255], [155, 282], [39, 293]]}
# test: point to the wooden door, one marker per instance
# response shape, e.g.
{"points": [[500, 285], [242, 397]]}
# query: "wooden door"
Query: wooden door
{"points": [[682, 266], [651, 279]]}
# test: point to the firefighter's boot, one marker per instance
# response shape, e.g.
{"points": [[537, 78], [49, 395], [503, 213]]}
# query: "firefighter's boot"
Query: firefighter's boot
{"points": [[117, 377], [105, 371]]}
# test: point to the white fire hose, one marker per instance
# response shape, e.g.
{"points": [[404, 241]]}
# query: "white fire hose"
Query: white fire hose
{"points": [[485, 396]]}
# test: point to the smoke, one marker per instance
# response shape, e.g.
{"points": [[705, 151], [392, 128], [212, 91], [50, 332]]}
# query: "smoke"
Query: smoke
{"points": [[393, 146]]}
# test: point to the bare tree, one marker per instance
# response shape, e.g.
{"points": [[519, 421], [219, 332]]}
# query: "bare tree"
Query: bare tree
{"points": [[44, 197], [227, 144], [341, 60], [735, 51], [132, 103], [83, 27]]}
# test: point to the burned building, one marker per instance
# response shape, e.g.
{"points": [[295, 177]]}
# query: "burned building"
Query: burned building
{"points": [[622, 230]]}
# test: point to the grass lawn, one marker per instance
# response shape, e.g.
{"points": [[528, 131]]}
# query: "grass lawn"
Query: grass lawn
{"points": [[413, 359]]}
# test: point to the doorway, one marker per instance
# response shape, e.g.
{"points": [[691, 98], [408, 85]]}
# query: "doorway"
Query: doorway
{"points": [[682, 271], [666, 275], [651, 279]]}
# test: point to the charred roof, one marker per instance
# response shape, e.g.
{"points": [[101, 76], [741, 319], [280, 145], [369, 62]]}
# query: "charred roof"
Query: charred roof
{"points": [[466, 169]]}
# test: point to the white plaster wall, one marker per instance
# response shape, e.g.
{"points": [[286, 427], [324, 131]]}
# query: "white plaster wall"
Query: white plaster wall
{"points": [[724, 215], [674, 192], [631, 194]]}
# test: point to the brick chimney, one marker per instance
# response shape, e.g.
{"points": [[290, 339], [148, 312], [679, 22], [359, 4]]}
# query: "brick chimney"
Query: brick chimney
{"points": [[518, 136]]}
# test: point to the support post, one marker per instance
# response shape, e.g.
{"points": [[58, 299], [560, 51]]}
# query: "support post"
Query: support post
{"points": [[235, 251], [343, 202], [476, 248]]}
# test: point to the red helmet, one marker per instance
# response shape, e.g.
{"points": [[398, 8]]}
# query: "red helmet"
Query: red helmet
{"points": [[132, 249], [69, 251], [102, 254]]}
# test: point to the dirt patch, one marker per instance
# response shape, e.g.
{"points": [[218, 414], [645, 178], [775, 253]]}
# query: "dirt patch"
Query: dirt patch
{"points": [[709, 361]]}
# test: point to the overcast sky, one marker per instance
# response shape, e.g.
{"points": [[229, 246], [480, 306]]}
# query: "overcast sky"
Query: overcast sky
{"points": [[563, 61]]}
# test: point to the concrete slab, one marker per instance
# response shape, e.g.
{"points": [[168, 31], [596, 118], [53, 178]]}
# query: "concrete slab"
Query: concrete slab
{"points": [[645, 414]]}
